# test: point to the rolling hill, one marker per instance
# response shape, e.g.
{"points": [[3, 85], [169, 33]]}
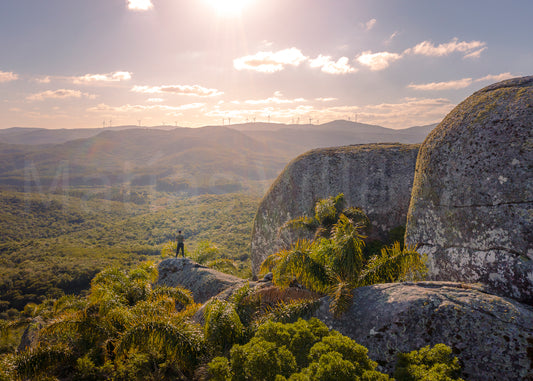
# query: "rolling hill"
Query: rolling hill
{"points": [[212, 159]]}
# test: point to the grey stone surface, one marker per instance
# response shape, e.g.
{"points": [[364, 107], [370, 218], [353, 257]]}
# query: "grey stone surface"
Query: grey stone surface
{"points": [[492, 336], [202, 281], [374, 177], [472, 202]]}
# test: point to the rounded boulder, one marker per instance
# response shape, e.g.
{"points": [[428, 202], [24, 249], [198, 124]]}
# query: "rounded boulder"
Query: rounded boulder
{"points": [[471, 207]]}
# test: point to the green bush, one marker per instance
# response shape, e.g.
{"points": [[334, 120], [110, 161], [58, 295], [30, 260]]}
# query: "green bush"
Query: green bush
{"points": [[428, 364], [304, 350]]}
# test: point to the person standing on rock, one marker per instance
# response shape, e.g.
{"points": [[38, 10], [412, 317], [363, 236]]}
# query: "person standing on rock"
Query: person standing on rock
{"points": [[180, 239]]}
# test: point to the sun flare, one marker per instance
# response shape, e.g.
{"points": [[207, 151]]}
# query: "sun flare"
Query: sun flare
{"points": [[229, 7]]}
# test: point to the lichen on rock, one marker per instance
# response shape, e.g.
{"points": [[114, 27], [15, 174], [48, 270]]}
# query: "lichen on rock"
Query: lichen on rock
{"points": [[492, 336], [471, 207]]}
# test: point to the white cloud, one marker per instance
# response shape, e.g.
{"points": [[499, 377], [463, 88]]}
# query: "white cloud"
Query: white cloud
{"points": [[459, 83], [391, 37], [193, 90], [270, 62], [475, 54], [140, 5], [496, 77], [108, 77], [330, 99], [449, 85], [427, 48], [377, 61], [102, 107], [7, 76], [46, 79], [59, 94], [155, 100], [276, 99], [407, 113], [370, 24], [327, 65]]}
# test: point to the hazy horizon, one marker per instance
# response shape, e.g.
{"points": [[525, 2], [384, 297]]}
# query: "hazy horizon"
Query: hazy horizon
{"points": [[198, 63]]}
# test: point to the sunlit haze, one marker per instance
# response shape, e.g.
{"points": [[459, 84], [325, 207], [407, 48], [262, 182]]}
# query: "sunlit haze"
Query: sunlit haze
{"points": [[100, 63]]}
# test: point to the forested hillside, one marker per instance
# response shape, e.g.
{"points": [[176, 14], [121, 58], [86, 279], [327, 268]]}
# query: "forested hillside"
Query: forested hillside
{"points": [[74, 202], [54, 244]]}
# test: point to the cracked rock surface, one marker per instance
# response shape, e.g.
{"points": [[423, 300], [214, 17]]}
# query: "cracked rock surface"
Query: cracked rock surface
{"points": [[374, 177], [492, 336], [471, 207]]}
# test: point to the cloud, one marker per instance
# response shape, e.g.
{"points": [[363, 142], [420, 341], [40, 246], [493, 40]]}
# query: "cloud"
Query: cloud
{"points": [[192, 90], [496, 78], [449, 85], [475, 54], [7, 76], [391, 37], [102, 107], [329, 66], [377, 61], [369, 24], [427, 48], [407, 113], [460, 83], [108, 77], [270, 62], [276, 99], [140, 5], [46, 79], [59, 94]]}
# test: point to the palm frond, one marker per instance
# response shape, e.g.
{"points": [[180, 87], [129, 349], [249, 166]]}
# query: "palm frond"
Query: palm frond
{"points": [[349, 258], [289, 312], [32, 363], [357, 216], [182, 340], [394, 264], [223, 326], [180, 295], [341, 295], [271, 261], [300, 223], [298, 263]]}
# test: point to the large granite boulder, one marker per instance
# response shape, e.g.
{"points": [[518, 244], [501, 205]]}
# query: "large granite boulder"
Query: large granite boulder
{"points": [[492, 336], [471, 209], [374, 177], [202, 281]]}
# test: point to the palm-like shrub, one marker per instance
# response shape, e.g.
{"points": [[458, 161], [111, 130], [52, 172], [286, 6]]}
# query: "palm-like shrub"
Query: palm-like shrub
{"points": [[124, 326], [334, 263]]}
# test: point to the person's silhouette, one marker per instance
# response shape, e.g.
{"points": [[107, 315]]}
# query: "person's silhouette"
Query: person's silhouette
{"points": [[180, 239]]}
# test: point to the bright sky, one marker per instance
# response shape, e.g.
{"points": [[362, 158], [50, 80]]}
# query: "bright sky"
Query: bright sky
{"points": [[396, 63]]}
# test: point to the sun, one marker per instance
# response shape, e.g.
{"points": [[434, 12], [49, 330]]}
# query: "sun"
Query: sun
{"points": [[229, 7]]}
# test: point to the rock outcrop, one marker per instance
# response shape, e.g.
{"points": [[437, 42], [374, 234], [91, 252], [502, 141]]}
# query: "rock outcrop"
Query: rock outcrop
{"points": [[471, 209], [202, 281], [492, 336], [374, 177]]}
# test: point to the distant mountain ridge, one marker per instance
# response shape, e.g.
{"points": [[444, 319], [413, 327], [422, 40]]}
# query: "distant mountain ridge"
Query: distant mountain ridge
{"points": [[219, 158], [37, 136]]}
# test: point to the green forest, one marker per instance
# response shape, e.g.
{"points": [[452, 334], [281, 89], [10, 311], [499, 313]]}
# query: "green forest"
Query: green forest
{"points": [[79, 300], [53, 244], [126, 329]]}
